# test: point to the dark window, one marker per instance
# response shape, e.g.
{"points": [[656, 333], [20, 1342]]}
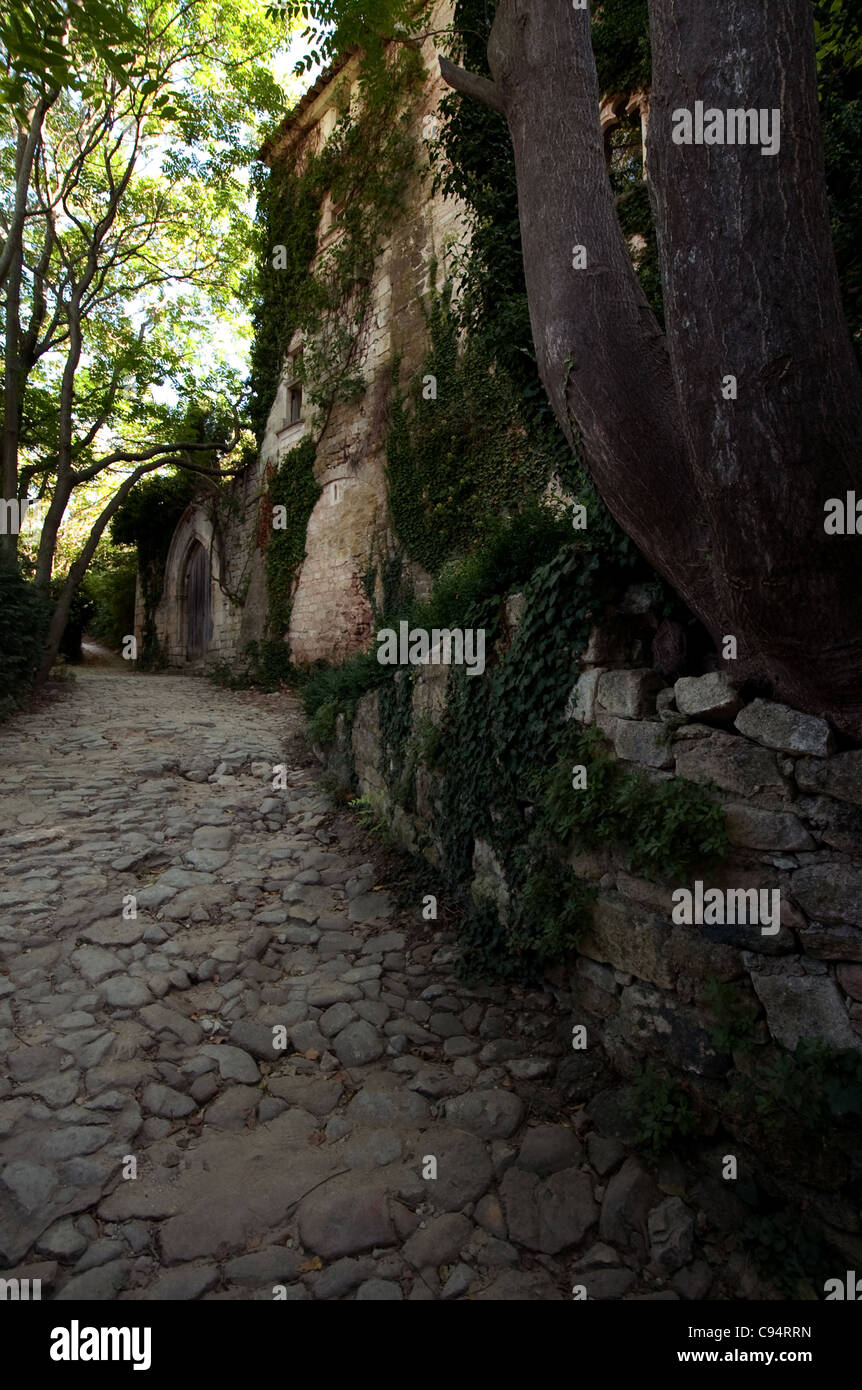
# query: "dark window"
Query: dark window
{"points": [[294, 404]]}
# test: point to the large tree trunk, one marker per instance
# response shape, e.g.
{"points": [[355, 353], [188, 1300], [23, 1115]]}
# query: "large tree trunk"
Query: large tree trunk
{"points": [[725, 498]]}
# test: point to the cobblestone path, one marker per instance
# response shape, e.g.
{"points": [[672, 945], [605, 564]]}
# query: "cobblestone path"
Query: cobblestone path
{"points": [[268, 1082]]}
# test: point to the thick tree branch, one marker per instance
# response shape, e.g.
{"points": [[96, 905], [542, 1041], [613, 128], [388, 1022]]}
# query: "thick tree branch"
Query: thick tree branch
{"points": [[471, 84], [601, 354]]}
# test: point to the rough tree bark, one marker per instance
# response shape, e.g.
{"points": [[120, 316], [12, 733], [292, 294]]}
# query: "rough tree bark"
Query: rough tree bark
{"points": [[724, 497]]}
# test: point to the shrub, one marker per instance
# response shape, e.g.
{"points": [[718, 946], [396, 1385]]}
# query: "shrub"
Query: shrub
{"points": [[24, 616], [660, 1110]]}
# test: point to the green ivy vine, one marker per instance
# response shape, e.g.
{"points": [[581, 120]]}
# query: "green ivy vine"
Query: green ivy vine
{"points": [[148, 519], [459, 453], [365, 167], [293, 486]]}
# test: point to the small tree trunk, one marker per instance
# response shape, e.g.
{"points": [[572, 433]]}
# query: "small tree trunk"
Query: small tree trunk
{"points": [[11, 399]]}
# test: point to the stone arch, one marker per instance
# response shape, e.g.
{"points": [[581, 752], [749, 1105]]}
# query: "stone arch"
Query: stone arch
{"points": [[190, 570], [197, 604]]}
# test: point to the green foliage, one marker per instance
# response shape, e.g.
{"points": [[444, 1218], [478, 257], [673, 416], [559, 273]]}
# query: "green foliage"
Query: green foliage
{"points": [[335, 27], [661, 1111], [508, 558], [328, 691], [621, 45], [485, 946], [551, 907], [40, 39], [812, 1088], [370, 814], [24, 616], [110, 582], [788, 1253], [147, 519], [458, 461], [365, 167], [512, 549], [472, 161], [734, 1013], [669, 829], [288, 212], [802, 1107], [838, 27], [293, 486], [148, 112]]}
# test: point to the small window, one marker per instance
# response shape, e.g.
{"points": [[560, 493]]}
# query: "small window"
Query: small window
{"points": [[294, 405], [335, 493]]}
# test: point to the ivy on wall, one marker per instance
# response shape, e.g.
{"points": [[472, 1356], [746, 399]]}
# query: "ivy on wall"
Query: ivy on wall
{"points": [[504, 750], [459, 453], [365, 168], [292, 485], [148, 519]]}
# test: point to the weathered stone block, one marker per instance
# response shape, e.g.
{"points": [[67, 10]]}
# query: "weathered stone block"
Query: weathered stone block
{"points": [[829, 893], [657, 1023], [366, 743], [805, 1006], [834, 823], [615, 643], [630, 694], [429, 693], [516, 605], [650, 948], [630, 1194], [752, 828], [732, 763], [671, 1233], [489, 879], [835, 942], [640, 742], [582, 701], [707, 697], [841, 776], [850, 979], [779, 726], [628, 940]]}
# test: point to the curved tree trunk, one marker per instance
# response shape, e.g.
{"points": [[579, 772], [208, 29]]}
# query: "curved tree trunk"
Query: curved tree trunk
{"points": [[724, 497]]}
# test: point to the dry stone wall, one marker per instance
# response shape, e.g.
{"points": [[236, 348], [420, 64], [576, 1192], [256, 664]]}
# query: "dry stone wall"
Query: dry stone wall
{"points": [[793, 808]]}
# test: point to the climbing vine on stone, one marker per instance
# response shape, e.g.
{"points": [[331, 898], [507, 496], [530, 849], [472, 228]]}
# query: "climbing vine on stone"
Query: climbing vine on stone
{"points": [[293, 488], [459, 453], [365, 168], [147, 519]]}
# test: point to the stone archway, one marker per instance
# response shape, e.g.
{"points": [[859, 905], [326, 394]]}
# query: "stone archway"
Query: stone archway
{"points": [[196, 593]]}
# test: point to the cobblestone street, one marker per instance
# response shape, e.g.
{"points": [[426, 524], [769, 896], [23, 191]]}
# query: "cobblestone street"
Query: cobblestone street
{"points": [[235, 1070]]}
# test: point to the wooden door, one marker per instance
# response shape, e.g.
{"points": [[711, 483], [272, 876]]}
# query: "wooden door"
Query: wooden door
{"points": [[197, 603]]}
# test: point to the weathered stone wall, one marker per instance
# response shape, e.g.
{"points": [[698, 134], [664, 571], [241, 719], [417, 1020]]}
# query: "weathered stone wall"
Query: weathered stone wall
{"points": [[793, 807], [349, 527], [237, 581]]}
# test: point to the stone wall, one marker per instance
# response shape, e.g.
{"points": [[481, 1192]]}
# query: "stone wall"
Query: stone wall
{"points": [[237, 580], [349, 528], [793, 807]]}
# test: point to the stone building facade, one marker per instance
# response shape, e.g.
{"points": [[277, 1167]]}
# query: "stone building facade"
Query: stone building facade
{"points": [[331, 614]]}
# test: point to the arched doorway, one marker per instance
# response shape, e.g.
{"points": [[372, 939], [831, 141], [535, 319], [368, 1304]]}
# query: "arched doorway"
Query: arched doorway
{"points": [[197, 602]]}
